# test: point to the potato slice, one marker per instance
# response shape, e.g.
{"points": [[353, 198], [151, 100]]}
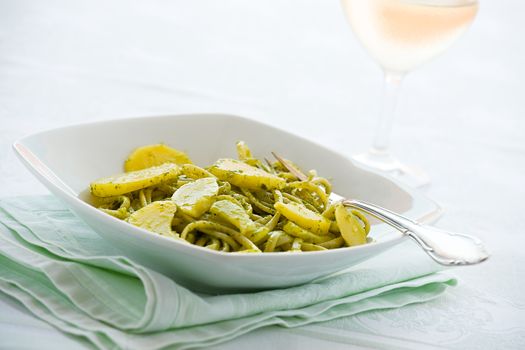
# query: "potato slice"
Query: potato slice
{"points": [[154, 155], [196, 197], [195, 172], [243, 175], [349, 225], [304, 217], [234, 214], [155, 217], [128, 182]]}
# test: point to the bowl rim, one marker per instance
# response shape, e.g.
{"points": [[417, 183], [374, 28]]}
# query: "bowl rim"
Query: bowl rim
{"points": [[46, 175]]}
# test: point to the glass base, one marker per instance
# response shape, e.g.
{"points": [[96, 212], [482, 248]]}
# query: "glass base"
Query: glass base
{"points": [[384, 162]]}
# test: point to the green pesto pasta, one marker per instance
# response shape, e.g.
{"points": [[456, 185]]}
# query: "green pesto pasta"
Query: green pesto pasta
{"points": [[242, 205]]}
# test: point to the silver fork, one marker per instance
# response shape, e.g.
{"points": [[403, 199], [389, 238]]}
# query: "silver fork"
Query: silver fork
{"points": [[446, 248]]}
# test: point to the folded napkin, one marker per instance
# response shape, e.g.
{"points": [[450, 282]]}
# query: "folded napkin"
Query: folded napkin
{"points": [[68, 276]]}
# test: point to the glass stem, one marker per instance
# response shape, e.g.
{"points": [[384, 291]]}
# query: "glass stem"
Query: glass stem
{"points": [[391, 87]]}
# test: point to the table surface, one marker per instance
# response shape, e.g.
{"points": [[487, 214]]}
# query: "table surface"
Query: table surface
{"points": [[295, 64]]}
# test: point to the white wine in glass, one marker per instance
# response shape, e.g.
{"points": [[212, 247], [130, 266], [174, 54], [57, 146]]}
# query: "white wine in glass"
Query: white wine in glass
{"points": [[401, 35]]}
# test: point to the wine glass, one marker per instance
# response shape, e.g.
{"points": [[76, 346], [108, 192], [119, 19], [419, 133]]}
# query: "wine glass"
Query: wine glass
{"points": [[401, 35]]}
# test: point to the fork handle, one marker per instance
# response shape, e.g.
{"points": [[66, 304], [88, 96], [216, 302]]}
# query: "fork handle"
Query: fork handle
{"points": [[446, 248]]}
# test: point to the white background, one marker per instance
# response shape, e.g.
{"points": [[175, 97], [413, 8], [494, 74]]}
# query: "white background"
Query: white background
{"points": [[295, 64]]}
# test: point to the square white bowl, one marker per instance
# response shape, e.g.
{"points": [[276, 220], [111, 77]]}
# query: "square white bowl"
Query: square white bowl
{"points": [[67, 159]]}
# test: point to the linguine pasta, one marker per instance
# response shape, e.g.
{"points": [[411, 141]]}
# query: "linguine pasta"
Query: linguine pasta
{"points": [[235, 205]]}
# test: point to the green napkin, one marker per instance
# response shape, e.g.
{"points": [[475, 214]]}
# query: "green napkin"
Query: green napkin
{"points": [[65, 274]]}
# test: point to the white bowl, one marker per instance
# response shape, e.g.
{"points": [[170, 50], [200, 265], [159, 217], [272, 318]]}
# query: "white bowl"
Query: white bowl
{"points": [[67, 159]]}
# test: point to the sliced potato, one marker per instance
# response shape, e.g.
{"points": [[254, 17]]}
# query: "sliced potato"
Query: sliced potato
{"points": [[234, 214], [304, 217], [196, 197], [154, 155], [155, 217], [135, 180], [195, 172], [243, 175], [351, 228]]}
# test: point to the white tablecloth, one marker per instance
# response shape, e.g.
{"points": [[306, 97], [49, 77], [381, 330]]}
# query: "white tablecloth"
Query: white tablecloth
{"points": [[294, 64]]}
